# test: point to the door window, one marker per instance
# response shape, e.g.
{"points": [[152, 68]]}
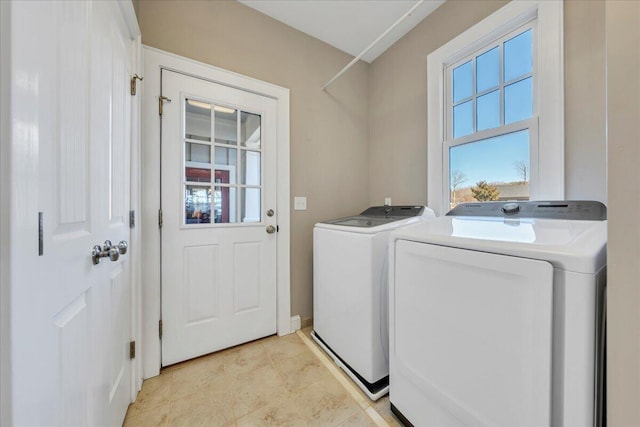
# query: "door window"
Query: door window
{"points": [[222, 164]]}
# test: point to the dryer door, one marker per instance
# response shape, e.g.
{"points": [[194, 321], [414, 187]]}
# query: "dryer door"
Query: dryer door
{"points": [[471, 340]]}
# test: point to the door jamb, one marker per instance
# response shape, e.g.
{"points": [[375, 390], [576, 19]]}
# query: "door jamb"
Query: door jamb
{"points": [[135, 265], [154, 61]]}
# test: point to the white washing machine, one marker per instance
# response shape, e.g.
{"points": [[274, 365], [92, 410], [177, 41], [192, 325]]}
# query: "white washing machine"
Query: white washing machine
{"points": [[496, 316], [350, 291]]}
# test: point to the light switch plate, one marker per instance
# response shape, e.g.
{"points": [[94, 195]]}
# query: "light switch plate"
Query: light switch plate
{"points": [[300, 203]]}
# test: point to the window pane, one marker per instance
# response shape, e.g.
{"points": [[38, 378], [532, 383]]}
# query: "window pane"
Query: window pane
{"points": [[488, 70], [197, 153], [518, 57], [462, 82], [197, 174], [197, 205], [488, 114], [491, 169], [250, 129], [250, 167], [226, 125], [226, 161], [518, 101], [224, 204], [463, 119], [197, 120], [250, 202]]}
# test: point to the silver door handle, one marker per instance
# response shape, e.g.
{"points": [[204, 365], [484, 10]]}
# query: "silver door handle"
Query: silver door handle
{"points": [[105, 252], [271, 229], [108, 251]]}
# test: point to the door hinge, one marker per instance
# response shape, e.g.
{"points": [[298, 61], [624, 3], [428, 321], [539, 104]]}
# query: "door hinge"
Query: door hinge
{"points": [[160, 328], [133, 83], [161, 101], [132, 350], [132, 219], [40, 233], [160, 218]]}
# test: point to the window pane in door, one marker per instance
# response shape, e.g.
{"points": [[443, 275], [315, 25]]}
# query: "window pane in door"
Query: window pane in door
{"points": [[225, 204], [463, 119], [250, 167], [250, 130], [518, 101], [250, 204], [200, 153], [462, 82], [197, 120], [226, 159], [518, 56], [488, 70], [226, 127], [488, 110], [490, 169], [197, 174], [197, 204]]}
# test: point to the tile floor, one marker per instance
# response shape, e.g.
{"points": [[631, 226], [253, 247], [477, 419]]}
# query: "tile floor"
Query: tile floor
{"points": [[275, 381]]}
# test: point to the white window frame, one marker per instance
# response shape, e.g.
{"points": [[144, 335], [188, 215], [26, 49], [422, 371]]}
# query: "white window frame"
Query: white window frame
{"points": [[546, 126]]}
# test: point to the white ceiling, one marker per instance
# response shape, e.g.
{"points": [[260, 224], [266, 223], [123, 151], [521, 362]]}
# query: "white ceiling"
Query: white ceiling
{"points": [[349, 25]]}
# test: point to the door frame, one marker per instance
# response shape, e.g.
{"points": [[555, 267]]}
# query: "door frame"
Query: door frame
{"points": [[154, 61]]}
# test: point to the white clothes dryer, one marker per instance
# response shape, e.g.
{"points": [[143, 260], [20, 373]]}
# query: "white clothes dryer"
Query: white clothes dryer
{"points": [[350, 292], [496, 316]]}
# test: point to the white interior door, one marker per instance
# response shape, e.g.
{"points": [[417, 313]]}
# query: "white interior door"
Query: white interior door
{"points": [[71, 323], [218, 217]]}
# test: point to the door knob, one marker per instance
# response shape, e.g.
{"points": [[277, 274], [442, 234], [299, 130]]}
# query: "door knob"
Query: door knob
{"points": [[97, 252], [108, 251], [271, 229]]}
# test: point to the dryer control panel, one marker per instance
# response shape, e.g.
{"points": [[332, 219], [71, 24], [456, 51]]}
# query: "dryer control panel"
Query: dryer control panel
{"points": [[586, 210]]}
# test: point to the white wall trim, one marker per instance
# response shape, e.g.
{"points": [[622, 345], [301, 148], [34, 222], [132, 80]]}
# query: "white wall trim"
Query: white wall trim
{"points": [[5, 204], [550, 93], [295, 323], [154, 60]]}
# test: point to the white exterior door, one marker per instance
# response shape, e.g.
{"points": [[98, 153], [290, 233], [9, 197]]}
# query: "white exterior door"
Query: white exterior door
{"points": [[71, 139], [218, 217]]}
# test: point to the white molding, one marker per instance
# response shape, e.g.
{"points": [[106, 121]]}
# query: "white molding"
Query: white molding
{"points": [[550, 94], [136, 236], [154, 60], [295, 323], [130, 18], [5, 204]]}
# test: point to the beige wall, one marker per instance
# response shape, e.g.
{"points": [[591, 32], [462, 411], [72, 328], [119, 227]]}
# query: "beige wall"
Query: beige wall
{"points": [[623, 87], [398, 101], [329, 130], [365, 139], [585, 100]]}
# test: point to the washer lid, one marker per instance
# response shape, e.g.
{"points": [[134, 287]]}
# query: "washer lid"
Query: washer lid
{"points": [[574, 245], [379, 218], [362, 221], [380, 215]]}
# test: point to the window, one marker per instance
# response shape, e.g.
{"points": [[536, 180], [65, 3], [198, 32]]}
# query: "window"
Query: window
{"points": [[215, 192], [496, 109]]}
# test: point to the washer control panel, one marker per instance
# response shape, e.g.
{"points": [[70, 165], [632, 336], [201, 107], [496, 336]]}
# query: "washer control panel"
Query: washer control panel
{"points": [[586, 210]]}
